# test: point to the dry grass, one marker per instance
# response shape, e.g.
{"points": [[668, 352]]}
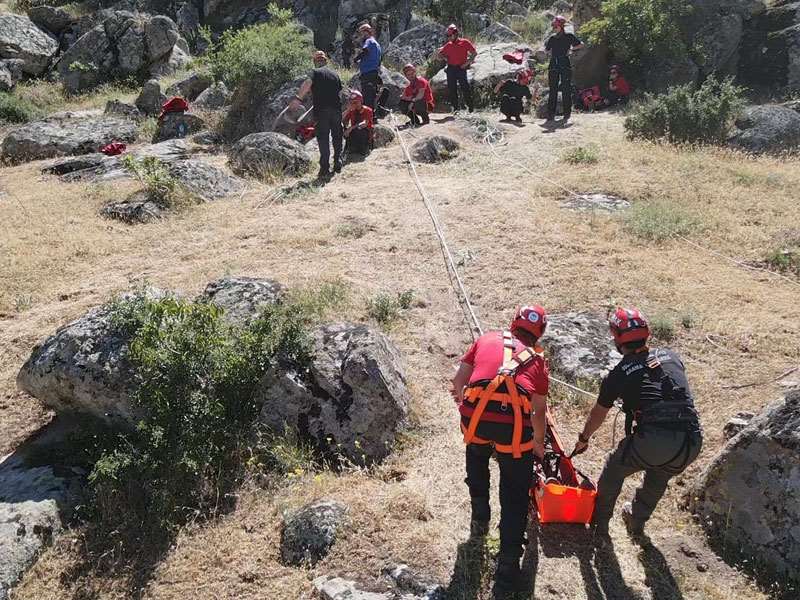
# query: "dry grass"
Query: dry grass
{"points": [[67, 259]]}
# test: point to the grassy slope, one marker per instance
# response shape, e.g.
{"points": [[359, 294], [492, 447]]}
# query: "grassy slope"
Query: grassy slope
{"points": [[60, 258]]}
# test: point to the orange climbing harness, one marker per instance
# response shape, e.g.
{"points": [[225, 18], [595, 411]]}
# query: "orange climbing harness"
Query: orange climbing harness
{"points": [[478, 397], [560, 493]]}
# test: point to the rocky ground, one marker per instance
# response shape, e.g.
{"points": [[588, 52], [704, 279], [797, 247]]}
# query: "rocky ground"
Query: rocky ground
{"points": [[732, 325]]}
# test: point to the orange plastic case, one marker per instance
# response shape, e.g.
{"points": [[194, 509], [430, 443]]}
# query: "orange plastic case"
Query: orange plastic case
{"points": [[563, 504]]}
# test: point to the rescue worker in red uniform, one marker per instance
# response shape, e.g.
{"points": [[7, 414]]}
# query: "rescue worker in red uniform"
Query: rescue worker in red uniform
{"points": [[501, 387], [667, 436]]}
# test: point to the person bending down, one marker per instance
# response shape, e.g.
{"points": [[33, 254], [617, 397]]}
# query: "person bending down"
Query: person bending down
{"points": [[417, 99], [512, 92], [358, 122]]}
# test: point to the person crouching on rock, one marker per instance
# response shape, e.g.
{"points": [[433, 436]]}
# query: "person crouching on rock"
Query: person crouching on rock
{"points": [[512, 92], [325, 86], [417, 99], [618, 87], [501, 387], [358, 122], [663, 433]]}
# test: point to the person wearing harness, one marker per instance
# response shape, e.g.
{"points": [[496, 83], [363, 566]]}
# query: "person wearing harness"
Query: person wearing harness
{"points": [[559, 45], [325, 88], [512, 92], [662, 427], [459, 53], [369, 65], [358, 124], [501, 387]]}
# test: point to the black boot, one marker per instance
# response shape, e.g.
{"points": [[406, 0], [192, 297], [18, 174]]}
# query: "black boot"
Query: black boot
{"points": [[508, 580]]}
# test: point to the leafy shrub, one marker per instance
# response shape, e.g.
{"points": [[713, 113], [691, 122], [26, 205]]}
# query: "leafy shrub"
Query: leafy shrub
{"points": [[385, 308], [784, 260], [658, 221], [639, 31], [14, 109], [688, 114], [272, 53], [533, 27], [663, 328], [197, 385], [580, 156], [159, 184]]}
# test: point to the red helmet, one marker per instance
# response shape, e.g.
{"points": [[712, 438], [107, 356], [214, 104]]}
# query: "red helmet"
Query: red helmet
{"points": [[559, 21], [628, 325], [452, 29], [525, 76], [532, 319]]}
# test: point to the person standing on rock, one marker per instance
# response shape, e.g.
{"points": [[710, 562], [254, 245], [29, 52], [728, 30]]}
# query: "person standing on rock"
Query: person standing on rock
{"points": [[560, 45], [369, 65], [501, 387], [459, 53], [663, 433], [325, 87], [416, 101]]}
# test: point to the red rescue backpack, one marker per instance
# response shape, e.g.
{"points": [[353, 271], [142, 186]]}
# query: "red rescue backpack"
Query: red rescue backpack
{"points": [[174, 105], [589, 97], [113, 149]]}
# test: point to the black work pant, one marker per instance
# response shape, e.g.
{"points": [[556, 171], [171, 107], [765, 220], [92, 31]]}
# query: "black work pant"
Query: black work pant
{"points": [[511, 107], [660, 453], [370, 82], [516, 475], [329, 126], [416, 110], [457, 77], [358, 142], [560, 79]]}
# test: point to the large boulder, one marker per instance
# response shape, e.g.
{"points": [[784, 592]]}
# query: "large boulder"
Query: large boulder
{"points": [[268, 154], [150, 99], [123, 45], [434, 149], [65, 134], [393, 81], [415, 45], [214, 97], [579, 347], [747, 498], [309, 533], [206, 181], [10, 73], [487, 71], [391, 16], [352, 400], [21, 38], [243, 298], [770, 128], [497, 32], [53, 19], [770, 52], [190, 87]]}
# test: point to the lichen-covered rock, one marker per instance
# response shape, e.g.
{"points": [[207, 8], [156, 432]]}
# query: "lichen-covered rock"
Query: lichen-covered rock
{"points": [[382, 136], [309, 533], [736, 424], [51, 18], [579, 346], [243, 298], [150, 99], [263, 154], [497, 32], [66, 134], [190, 87], [138, 208], [767, 129], [123, 109], [415, 45], [747, 498], [436, 148], [177, 125], [214, 97], [353, 400], [21, 39]]}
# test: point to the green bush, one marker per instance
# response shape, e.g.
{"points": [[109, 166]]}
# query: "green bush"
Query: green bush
{"points": [[14, 109], [581, 155], [385, 308], [640, 31], [785, 260], [159, 184], [658, 221], [197, 385], [663, 328], [272, 53], [533, 27], [688, 114]]}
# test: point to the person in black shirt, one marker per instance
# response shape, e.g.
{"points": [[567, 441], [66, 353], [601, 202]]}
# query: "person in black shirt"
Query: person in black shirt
{"points": [[667, 436], [325, 87], [559, 45], [512, 92]]}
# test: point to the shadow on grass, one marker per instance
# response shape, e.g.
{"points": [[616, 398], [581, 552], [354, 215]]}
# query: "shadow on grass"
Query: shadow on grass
{"points": [[658, 576]]}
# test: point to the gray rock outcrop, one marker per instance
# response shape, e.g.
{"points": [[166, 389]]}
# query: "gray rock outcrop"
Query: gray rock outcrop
{"points": [[579, 346], [497, 32], [382, 136], [21, 39], [415, 45], [190, 87], [351, 402], [136, 209], [268, 154], [747, 497], [150, 99], [436, 148], [177, 125], [65, 134], [769, 128], [214, 97], [309, 533], [243, 298], [53, 19]]}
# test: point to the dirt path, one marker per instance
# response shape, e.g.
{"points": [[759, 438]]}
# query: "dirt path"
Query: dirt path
{"points": [[515, 245]]}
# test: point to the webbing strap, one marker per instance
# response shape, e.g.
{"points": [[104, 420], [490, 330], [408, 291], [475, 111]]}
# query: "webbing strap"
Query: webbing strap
{"points": [[482, 402], [502, 448]]}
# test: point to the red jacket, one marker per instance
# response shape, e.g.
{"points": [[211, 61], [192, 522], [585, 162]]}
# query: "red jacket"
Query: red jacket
{"points": [[413, 88]]}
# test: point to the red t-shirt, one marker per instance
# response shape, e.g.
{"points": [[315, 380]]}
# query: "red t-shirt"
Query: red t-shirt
{"points": [[623, 87], [457, 51], [486, 358], [413, 88], [353, 118]]}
